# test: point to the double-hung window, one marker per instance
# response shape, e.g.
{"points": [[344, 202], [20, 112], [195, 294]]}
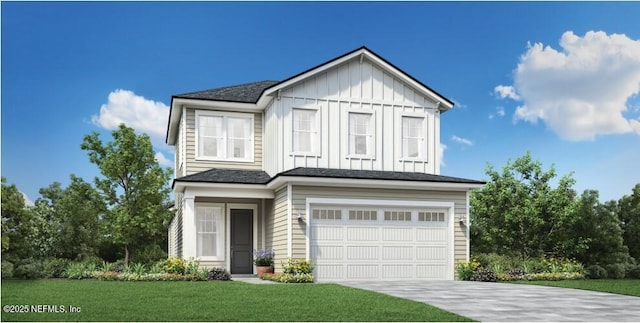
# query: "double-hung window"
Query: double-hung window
{"points": [[209, 232], [225, 136], [361, 134], [306, 139], [413, 137]]}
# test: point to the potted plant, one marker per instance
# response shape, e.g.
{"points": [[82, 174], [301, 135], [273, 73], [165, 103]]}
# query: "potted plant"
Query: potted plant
{"points": [[263, 259]]}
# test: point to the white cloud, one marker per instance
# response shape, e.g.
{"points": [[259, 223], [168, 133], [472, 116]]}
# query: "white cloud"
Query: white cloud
{"points": [[443, 147], [163, 161], [581, 90], [499, 112], [461, 140], [135, 111], [506, 91], [27, 200], [459, 104]]}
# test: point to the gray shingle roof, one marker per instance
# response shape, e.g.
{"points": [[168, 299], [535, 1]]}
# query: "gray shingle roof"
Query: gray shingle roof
{"points": [[234, 176], [374, 174], [231, 176], [245, 93]]}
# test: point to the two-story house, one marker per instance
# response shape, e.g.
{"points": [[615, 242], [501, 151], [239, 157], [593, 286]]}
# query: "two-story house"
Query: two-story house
{"points": [[338, 164]]}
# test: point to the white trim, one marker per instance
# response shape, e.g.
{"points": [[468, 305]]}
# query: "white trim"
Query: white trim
{"points": [[189, 240], [346, 129], [241, 206], [399, 133], [391, 203], [263, 214], [194, 189], [451, 243], [468, 225], [224, 225], [371, 183], [225, 134], [289, 221], [317, 141]]}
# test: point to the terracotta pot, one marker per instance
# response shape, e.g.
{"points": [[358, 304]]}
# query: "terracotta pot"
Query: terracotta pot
{"points": [[261, 270]]}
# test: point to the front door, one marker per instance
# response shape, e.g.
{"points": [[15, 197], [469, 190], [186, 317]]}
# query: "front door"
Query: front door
{"points": [[241, 241]]}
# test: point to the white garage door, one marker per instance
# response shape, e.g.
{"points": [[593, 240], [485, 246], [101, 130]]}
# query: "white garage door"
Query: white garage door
{"points": [[387, 243]]}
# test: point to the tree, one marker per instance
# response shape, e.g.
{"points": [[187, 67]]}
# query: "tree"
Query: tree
{"points": [[518, 212], [596, 234], [17, 224], [71, 219], [134, 186], [629, 214]]}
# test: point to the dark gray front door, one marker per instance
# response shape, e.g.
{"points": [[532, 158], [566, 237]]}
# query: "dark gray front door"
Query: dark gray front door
{"points": [[241, 241]]}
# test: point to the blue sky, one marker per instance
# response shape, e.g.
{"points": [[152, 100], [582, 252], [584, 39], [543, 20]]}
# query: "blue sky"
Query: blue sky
{"points": [[560, 80]]}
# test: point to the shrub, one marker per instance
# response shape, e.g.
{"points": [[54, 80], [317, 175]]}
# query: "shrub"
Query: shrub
{"points": [[484, 275], [77, 270], [616, 271], [217, 273], [554, 276], [296, 278], [466, 269], [156, 268], [55, 268], [7, 269], [498, 263], [191, 268], [173, 265], [297, 266], [148, 255], [138, 269], [596, 272], [93, 261], [634, 272], [28, 269], [118, 266]]}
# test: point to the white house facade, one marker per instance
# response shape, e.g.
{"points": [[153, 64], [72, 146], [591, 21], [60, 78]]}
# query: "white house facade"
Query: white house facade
{"points": [[338, 164]]}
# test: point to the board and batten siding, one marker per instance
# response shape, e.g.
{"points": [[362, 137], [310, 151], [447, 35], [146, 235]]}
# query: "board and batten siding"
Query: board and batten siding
{"points": [[195, 166], [301, 193], [351, 87]]}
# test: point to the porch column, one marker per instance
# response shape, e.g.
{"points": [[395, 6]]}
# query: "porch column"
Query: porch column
{"points": [[189, 238]]}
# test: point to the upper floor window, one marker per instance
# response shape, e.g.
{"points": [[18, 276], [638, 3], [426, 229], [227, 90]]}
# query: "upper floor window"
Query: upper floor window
{"points": [[413, 137], [361, 134], [224, 136], [306, 137]]}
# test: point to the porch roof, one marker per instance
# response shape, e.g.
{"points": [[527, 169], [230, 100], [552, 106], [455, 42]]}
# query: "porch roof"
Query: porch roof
{"points": [[235, 176]]}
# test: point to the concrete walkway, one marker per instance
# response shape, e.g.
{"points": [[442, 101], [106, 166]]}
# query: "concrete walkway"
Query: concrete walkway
{"points": [[250, 279], [501, 302]]}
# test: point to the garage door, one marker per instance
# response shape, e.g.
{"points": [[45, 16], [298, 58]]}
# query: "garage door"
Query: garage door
{"points": [[388, 243]]}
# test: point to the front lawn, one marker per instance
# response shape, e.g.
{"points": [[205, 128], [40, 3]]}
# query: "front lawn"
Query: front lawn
{"points": [[207, 301], [617, 286]]}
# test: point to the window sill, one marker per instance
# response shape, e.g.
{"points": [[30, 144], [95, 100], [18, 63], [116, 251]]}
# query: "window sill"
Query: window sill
{"points": [[299, 154], [361, 157], [420, 160], [208, 159], [201, 258]]}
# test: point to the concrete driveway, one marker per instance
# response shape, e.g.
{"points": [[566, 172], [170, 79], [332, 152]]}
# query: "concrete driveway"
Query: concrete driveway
{"points": [[501, 302]]}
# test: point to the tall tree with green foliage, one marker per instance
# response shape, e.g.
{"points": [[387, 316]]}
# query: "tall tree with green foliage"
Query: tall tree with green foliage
{"points": [[518, 212], [17, 224], [629, 214], [71, 219], [596, 237], [133, 185]]}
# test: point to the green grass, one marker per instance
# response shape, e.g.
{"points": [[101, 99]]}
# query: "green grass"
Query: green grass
{"points": [[617, 286], [211, 301]]}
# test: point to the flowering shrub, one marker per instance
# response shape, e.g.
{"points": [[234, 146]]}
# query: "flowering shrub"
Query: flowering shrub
{"points": [[173, 266], [297, 266], [289, 278], [263, 257], [466, 269], [554, 276]]}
